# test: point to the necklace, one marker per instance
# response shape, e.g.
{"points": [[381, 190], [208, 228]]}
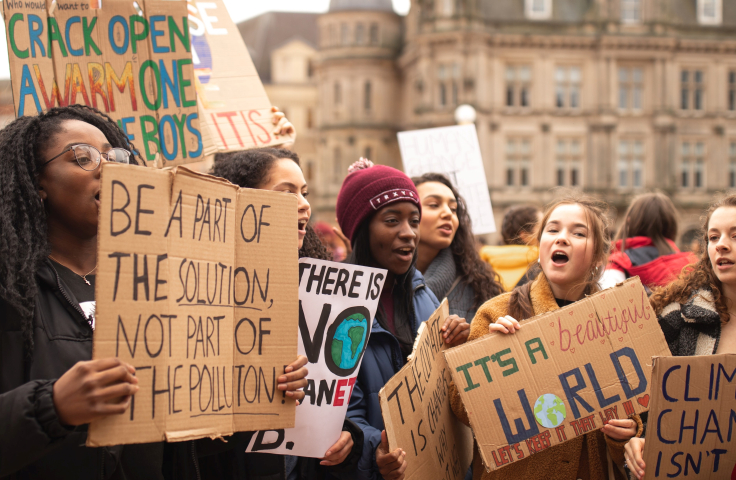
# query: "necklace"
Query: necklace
{"points": [[83, 277]]}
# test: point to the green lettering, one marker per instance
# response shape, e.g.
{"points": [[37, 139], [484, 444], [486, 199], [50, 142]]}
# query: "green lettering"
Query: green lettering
{"points": [[87, 30], [180, 128], [11, 33], [134, 36], [183, 37], [157, 78], [483, 363], [464, 369], [184, 83], [538, 348], [150, 136], [55, 34], [503, 363]]}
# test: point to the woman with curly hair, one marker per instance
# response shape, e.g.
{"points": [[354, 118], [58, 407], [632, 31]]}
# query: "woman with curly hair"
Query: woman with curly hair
{"points": [[447, 256], [695, 311], [50, 389]]}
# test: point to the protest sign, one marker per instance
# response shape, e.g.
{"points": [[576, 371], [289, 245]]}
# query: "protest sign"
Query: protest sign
{"points": [[130, 60], [690, 428], [233, 104], [561, 376], [417, 414], [197, 289], [337, 304], [455, 152]]}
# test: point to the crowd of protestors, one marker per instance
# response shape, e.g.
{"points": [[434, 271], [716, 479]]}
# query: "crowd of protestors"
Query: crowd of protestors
{"points": [[417, 229]]}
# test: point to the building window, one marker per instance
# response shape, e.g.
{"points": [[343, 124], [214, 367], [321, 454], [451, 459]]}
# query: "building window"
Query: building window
{"points": [[630, 86], [360, 34], [337, 165], [538, 9], [368, 153], [630, 164], [338, 93], [448, 77], [374, 34], [732, 90], [710, 12], [692, 91], [569, 163], [518, 85], [310, 118], [367, 96], [310, 170], [333, 35], [692, 174], [567, 90], [518, 161], [344, 34], [732, 165], [630, 11]]}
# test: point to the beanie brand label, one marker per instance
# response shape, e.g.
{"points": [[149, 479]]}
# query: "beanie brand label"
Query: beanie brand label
{"points": [[390, 196]]}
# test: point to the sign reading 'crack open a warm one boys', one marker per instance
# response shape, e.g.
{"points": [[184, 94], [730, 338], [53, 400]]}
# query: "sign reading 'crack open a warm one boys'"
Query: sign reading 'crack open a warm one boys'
{"points": [[561, 376]]}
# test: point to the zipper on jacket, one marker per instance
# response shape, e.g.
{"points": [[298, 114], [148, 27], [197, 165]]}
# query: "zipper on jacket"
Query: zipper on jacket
{"points": [[101, 456], [194, 459], [75, 305]]}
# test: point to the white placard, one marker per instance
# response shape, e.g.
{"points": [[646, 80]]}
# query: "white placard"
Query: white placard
{"points": [[337, 304], [455, 152]]}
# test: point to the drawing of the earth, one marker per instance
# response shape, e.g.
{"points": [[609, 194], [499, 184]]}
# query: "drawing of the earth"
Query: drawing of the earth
{"points": [[549, 410], [349, 341]]}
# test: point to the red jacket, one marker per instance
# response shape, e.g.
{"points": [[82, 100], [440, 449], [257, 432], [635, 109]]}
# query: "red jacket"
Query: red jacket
{"points": [[658, 272]]}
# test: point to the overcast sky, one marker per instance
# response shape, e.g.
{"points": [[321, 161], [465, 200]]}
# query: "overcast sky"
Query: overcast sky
{"points": [[239, 10]]}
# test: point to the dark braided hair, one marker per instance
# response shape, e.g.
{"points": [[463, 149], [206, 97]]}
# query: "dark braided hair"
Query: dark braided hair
{"points": [[250, 169], [475, 273], [23, 235]]}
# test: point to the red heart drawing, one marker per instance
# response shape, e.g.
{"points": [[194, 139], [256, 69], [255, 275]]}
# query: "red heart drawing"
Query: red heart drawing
{"points": [[552, 324], [590, 315], [647, 308], [620, 339], [643, 401], [552, 342], [603, 341], [641, 326], [631, 300], [572, 350], [603, 296], [570, 312], [614, 309]]}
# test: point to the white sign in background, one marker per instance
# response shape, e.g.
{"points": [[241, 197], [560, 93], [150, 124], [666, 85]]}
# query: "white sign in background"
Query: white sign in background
{"points": [[455, 152], [337, 304]]}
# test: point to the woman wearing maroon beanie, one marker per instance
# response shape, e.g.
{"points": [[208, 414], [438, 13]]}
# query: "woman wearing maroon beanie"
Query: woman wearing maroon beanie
{"points": [[378, 209]]}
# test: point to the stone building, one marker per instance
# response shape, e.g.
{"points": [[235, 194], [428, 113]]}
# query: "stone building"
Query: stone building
{"points": [[614, 97]]}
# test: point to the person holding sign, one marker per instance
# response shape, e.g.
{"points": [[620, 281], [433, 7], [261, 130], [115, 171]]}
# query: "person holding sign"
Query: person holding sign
{"points": [[447, 256], [378, 209], [49, 388], [695, 310], [279, 170], [572, 251]]}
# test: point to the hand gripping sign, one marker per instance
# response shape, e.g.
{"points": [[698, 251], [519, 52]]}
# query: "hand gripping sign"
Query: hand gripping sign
{"points": [[564, 374], [337, 304]]}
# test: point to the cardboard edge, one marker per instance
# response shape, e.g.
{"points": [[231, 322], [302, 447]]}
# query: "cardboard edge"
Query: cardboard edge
{"points": [[195, 434]]}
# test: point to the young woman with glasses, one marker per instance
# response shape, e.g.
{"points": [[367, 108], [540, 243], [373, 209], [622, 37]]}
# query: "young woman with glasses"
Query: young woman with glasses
{"points": [[49, 387]]}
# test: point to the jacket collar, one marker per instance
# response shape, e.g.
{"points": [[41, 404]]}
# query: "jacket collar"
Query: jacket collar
{"points": [[441, 273], [543, 300], [638, 242]]}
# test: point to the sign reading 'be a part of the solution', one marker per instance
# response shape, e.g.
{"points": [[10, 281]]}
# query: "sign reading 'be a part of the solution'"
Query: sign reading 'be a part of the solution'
{"points": [[692, 423], [561, 376], [197, 289]]}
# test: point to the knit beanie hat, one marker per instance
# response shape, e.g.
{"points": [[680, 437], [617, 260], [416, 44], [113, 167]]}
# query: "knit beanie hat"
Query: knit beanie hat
{"points": [[367, 189]]}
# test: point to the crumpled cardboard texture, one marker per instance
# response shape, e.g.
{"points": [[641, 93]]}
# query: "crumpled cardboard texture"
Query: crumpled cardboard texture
{"points": [[562, 375]]}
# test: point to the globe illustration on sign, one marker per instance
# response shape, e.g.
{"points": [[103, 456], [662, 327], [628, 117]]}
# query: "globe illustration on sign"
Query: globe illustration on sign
{"points": [[349, 340], [346, 340], [549, 410]]}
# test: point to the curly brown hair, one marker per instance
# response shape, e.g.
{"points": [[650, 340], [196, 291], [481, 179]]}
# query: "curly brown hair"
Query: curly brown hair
{"points": [[518, 224], [697, 275], [596, 212], [475, 273]]}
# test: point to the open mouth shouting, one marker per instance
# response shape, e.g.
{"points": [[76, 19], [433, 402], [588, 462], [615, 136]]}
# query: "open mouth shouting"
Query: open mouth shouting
{"points": [[302, 225], [445, 229], [724, 263], [405, 254], [559, 257]]}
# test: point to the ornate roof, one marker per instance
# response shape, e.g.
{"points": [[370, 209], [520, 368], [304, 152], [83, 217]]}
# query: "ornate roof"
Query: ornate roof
{"points": [[357, 5]]}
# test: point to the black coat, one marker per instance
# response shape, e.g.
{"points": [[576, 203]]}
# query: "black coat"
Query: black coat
{"points": [[33, 443]]}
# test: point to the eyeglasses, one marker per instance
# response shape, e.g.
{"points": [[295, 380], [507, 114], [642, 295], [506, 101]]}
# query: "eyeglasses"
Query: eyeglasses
{"points": [[88, 157]]}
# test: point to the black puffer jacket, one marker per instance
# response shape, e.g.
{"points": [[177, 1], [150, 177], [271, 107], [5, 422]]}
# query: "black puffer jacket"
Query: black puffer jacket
{"points": [[33, 443]]}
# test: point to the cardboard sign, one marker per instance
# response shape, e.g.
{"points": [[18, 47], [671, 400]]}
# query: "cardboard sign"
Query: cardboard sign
{"points": [[561, 376], [134, 64], [232, 101], [337, 304], [455, 152], [197, 289], [690, 432], [417, 414]]}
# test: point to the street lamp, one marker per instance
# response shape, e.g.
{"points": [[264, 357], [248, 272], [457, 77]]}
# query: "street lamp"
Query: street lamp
{"points": [[465, 114]]}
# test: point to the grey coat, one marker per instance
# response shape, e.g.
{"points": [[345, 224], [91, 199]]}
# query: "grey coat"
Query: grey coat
{"points": [[440, 276]]}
